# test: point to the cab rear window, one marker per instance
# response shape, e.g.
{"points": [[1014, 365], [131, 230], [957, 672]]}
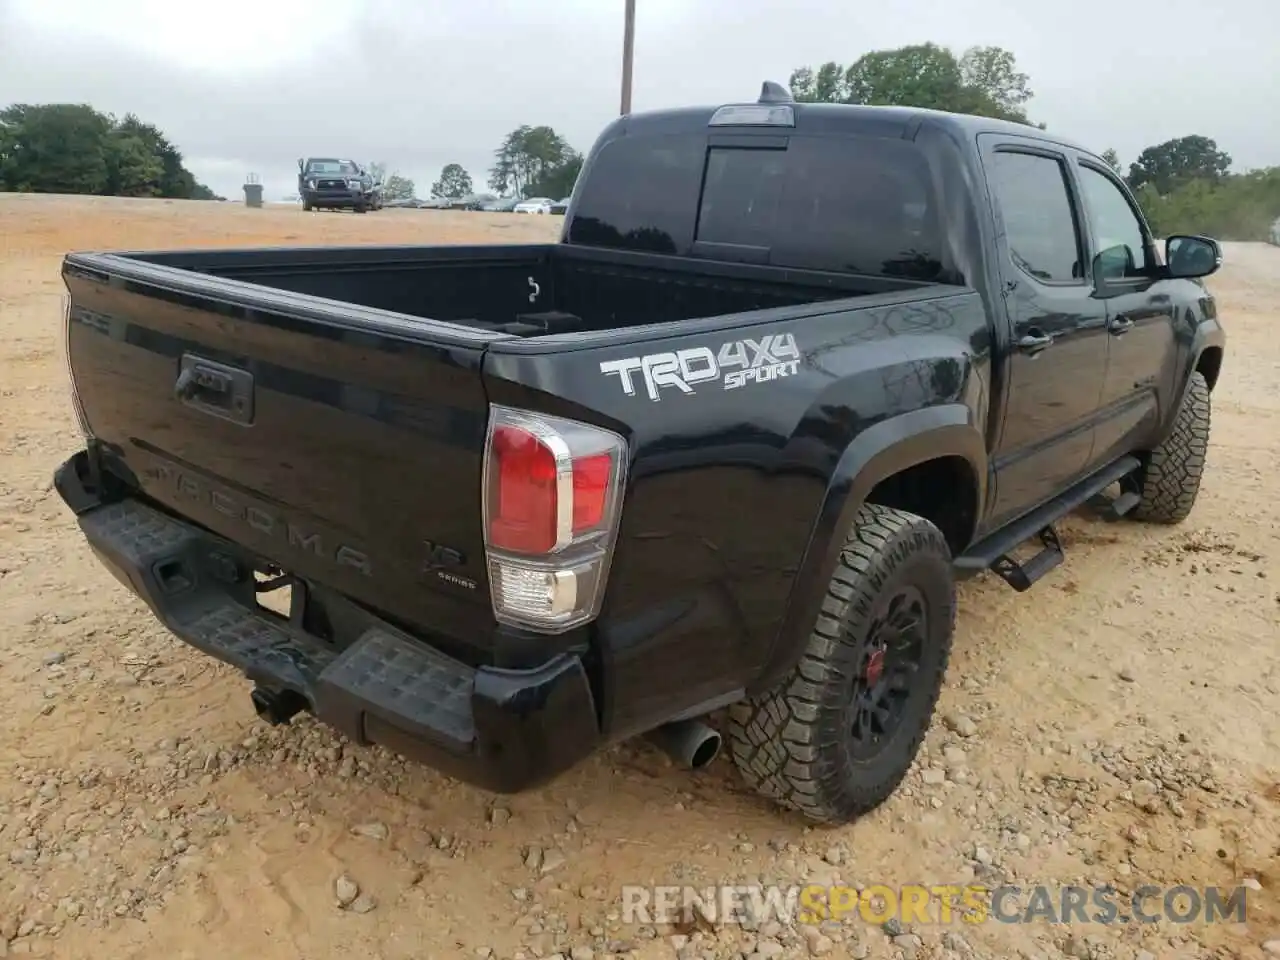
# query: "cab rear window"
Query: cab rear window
{"points": [[849, 204]]}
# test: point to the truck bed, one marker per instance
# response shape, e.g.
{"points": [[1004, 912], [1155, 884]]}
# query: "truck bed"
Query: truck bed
{"points": [[525, 290]]}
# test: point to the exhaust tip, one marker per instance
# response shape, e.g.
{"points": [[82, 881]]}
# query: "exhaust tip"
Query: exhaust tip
{"points": [[706, 751], [689, 743]]}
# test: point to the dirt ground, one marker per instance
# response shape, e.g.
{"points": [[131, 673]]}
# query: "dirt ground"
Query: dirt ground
{"points": [[1116, 725]]}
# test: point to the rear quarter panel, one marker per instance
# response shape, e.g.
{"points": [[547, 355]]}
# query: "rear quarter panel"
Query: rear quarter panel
{"points": [[728, 483]]}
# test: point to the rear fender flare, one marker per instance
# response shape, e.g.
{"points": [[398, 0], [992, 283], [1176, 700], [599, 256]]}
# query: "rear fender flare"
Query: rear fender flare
{"points": [[876, 453]]}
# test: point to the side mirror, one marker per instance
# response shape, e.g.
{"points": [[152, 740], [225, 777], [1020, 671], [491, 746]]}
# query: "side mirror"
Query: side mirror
{"points": [[1189, 257]]}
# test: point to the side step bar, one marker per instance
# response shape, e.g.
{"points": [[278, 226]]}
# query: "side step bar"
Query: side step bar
{"points": [[1023, 576], [1112, 509], [995, 552]]}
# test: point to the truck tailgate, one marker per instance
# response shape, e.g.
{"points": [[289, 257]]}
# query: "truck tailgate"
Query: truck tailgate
{"points": [[345, 452]]}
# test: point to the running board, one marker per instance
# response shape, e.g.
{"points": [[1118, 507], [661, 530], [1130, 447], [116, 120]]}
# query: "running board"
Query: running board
{"points": [[1023, 575], [995, 552], [1115, 508]]}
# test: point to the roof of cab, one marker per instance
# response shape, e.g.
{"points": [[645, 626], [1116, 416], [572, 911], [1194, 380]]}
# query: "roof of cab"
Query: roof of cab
{"points": [[848, 118]]}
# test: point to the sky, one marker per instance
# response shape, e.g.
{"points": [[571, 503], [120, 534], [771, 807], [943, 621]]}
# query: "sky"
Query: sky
{"points": [[246, 86]]}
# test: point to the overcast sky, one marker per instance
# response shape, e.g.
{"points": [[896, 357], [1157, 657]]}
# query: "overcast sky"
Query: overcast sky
{"points": [[251, 85]]}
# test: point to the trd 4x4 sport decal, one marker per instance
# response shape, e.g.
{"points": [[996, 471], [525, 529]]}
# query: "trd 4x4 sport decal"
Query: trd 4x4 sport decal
{"points": [[736, 364]]}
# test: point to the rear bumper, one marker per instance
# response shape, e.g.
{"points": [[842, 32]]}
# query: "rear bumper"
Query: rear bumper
{"points": [[501, 730]]}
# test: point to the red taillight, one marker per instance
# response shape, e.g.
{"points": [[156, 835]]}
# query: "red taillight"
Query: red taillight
{"points": [[525, 493], [590, 491], [552, 494], [523, 499]]}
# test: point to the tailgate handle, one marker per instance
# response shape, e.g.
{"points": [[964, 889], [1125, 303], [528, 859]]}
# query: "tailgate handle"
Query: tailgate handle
{"points": [[215, 388]]}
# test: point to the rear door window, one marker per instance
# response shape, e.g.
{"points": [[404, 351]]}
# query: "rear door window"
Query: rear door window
{"points": [[1039, 221]]}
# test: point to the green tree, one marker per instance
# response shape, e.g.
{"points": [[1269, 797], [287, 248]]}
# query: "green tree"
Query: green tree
{"points": [[133, 169], [398, 187], [824, 85], [993, 74], [454, 183], [557, 182], [1174, 163], [533, 159], [58, 148], [984, 81], [1229, 207], [1112, 158], [72, 148]]}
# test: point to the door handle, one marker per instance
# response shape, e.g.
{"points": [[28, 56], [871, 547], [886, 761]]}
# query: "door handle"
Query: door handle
{"points": [[1120, 326], [1033, 343]]}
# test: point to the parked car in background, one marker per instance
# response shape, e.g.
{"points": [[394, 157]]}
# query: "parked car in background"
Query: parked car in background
{"points": [[559, 207], [1275, 231], [472, 201], [500, 205], [534, 205]]}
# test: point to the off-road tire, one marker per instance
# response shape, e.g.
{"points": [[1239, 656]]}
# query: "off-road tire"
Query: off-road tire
{"points": [[1170, 480], [307, 208], [790, 744]]}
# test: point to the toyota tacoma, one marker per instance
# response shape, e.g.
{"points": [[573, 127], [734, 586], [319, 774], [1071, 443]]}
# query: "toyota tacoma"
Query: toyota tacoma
{"points": [[331, 184], [791, 371]]}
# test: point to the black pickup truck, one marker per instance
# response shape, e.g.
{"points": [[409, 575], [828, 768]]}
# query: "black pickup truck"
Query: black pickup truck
{"points": [[326, 183], [791, 371]]}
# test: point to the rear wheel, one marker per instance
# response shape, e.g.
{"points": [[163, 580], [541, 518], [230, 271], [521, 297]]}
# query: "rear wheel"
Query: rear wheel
{"points": [[837, 736], [1170, 481]]}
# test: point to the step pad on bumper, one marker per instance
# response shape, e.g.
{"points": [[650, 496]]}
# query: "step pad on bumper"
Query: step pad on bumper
{"points": [[415, 684], [399, 679], [137, 533]]}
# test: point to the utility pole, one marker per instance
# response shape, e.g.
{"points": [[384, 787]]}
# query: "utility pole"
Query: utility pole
{"points": [[628, 53]]}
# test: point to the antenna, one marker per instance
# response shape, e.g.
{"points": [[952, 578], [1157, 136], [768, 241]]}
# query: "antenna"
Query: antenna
{"points": [[771, 92]]}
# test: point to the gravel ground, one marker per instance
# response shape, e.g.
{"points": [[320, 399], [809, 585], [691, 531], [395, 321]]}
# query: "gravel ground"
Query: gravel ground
{"points": [[1116, 725]]}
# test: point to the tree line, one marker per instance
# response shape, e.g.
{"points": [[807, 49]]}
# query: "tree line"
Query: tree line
{"points": [[1184, 185], [530, 162], [73, 148]]}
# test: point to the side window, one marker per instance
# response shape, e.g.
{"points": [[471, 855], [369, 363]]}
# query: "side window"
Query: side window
{"points": [[1040, 226], [1121, 245]]}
